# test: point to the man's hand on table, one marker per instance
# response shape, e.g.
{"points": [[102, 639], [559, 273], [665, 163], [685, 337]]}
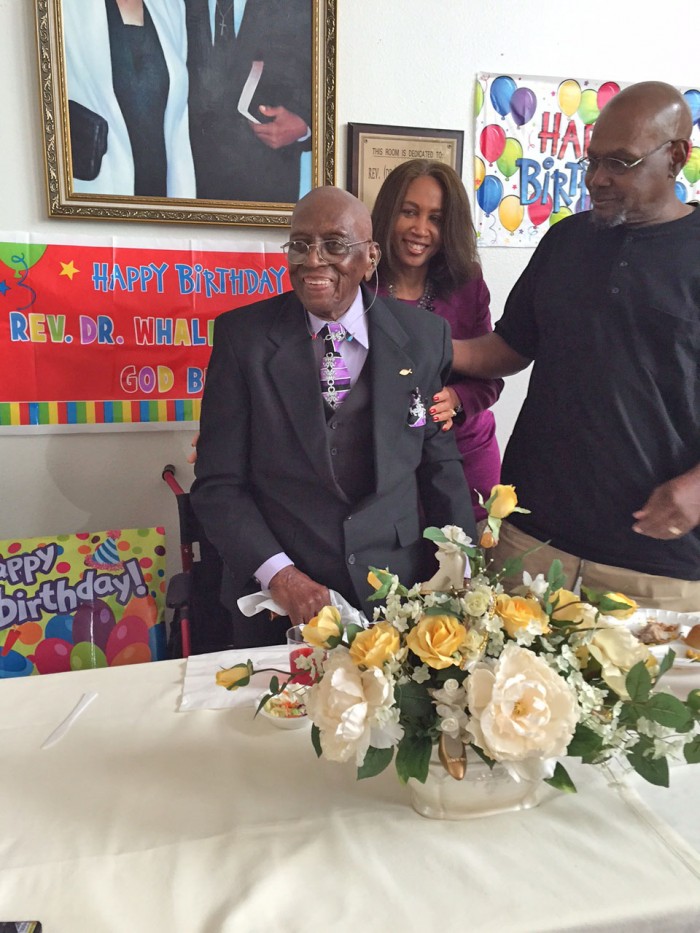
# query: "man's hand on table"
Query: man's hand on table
{"points": [[298, 595]]}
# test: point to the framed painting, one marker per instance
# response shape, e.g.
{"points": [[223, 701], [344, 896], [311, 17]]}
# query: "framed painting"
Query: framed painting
{"points": [[375, 149], [192, 111]]}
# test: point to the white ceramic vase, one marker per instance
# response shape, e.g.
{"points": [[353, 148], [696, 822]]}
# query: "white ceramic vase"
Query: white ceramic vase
{"points": [[482, 792]]}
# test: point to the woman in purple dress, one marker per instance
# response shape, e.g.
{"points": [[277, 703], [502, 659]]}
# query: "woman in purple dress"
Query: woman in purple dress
{"points": [[422, 222]]}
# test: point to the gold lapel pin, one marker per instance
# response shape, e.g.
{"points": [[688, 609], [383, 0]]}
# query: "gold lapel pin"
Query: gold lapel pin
{"points": [[405, 372]]}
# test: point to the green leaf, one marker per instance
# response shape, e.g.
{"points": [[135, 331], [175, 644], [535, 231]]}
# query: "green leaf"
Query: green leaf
{"points": [[316, 740], [352, 630], [434, 534], [414, 701], [376, 760], [274, 685], [666, 662], [445, 609], [638, 682], [561, 780], [692, 751], [668, 710], [607, 604], [586, 744], [511, 567], [263, 701], [555, 575], [413, 758], [653, 770]]}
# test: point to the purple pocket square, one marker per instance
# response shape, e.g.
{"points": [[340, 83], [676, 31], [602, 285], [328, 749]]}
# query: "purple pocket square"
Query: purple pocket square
{"points": [[416, 413]]}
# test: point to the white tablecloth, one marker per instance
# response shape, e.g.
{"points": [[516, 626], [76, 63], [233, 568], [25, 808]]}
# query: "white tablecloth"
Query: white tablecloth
{"points": [[146, 819]]}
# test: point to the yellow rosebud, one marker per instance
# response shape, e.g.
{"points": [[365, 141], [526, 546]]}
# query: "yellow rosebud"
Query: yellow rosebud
{"points": [[519, 612], [373, 646], [234, 677], [436, 639], [487, 539], [630, 604], [505, 501], [374, 580], [321, 628], [568, 608]]}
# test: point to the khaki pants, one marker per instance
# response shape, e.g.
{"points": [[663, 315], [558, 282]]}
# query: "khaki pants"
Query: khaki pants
{"points": [[644, 588]]}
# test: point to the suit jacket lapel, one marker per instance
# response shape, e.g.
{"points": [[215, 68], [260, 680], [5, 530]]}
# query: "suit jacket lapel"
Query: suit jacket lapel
{"points": [[391, 391], [292, 369]]}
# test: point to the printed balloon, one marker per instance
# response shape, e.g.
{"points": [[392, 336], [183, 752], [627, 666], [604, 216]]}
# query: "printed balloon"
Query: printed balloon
{"points": [[137, 653], [86, 656], [692, 99], [523, 104], [30, 633], [14, 664], [502, 90], [512, 151], [583, 203], [478, 98], [569, 96], [606, 92], [691, 169], [52, 656], [511, 212], [560, 215], [681, 193], [93, 621], [489, 194], [539, 212], [158, 642], [479, 172], [129, 631], [492, 141], [19, 255], [144, 607], [60, 626], [588, 108]]}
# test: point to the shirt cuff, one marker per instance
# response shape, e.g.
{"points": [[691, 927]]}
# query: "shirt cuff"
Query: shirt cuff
{"points": [[272, 565]]}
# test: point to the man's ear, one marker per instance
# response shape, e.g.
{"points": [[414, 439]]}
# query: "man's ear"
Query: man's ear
{"points": [[679, 151], [375, 254]]}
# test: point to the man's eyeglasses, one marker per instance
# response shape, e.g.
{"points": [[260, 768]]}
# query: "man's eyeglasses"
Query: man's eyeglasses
{"points": [[617, 166], [329, 251]]}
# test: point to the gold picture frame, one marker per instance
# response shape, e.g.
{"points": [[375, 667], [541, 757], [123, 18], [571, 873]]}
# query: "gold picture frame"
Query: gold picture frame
{"points": [[67, 196], [374, 149]]}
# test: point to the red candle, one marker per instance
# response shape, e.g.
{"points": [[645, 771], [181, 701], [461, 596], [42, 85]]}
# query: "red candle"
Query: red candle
{"points": [[304, 676]]}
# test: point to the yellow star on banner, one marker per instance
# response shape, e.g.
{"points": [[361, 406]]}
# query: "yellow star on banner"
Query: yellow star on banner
{"points": [[68, 268]]}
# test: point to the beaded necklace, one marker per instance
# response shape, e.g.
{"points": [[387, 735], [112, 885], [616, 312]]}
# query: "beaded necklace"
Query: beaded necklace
{"points": [[426, 300]]}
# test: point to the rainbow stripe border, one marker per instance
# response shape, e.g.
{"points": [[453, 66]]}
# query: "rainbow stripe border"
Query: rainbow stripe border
{"points": [[89, 412]]}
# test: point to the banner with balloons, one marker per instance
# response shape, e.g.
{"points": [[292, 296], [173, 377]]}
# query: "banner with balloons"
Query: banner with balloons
{"points": [[115, 333], [80, 601], [530, 133]]}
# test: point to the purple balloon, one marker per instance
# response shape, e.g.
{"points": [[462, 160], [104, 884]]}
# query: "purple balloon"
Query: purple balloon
{"points": [[93, 622], [523, 104]]}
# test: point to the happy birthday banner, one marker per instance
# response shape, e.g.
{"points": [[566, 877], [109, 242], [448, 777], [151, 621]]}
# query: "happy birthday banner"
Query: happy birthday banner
{"points": [[78, 601], [111, 335], [530, 134]]}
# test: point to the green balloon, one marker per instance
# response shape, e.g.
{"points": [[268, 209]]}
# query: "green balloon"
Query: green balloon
{"points": [[15, 255], [478, 98], [691, 170], [511, 151], [85, 655], [588, 109]]}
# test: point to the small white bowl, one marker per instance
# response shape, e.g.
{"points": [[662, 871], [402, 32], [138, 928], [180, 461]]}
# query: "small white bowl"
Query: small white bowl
{"points": [[285, 722]]}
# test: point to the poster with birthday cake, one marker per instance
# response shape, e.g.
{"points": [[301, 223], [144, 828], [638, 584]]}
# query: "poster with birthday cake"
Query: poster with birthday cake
{"points": [[85, 600]]}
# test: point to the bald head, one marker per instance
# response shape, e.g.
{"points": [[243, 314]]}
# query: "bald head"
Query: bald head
{"points": [[654, 107], [335, 202]]}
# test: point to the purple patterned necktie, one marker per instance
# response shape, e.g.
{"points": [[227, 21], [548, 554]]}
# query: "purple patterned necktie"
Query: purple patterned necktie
{"points": [[335, 378]]}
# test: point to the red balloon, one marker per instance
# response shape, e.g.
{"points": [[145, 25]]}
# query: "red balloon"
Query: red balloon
{"points": [[539, 212], [129, 631], [492, 142], [52, 656], [606, 92]]}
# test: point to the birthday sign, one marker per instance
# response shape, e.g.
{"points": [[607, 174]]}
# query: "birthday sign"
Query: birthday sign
{"points": [[81, 601], [530, 134], [108, 334]]}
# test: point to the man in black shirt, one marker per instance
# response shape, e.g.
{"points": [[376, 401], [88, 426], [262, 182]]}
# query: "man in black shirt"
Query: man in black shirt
{"points": [[606, 449]]}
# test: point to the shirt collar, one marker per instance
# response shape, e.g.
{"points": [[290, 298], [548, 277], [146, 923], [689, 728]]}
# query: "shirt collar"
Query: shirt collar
{"points": [[354, 321]]}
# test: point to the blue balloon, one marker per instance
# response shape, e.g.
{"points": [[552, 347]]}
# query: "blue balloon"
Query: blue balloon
{"points": [[60, 627], [489, 194], [501, 92], [14, 664], [692, 99], [681, 193]]}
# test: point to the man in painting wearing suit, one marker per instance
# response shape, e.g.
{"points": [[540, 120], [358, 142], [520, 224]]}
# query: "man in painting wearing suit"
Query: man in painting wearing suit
{"points": [[301, 490], [249, 64]]}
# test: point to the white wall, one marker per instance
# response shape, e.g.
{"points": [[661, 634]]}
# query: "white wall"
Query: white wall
{"points": [[398, 64]]}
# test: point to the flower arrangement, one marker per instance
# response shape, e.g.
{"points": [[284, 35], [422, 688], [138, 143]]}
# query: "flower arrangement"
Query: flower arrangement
{"points": [[522, 678]]}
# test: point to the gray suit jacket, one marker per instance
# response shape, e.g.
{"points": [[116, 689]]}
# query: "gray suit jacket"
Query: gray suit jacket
{"points": [[264, 477]]}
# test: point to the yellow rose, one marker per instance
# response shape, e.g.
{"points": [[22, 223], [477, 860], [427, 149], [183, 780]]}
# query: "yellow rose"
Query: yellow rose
{"points": [[621, 613], [436, 639], [234, 677], [519, 613], [504, 503], [617, 651], [323, 627], [568, 608], [374, 580], [373, 646]]}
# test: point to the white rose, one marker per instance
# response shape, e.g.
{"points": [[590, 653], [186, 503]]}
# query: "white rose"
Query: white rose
{"points": [[522, 712], [617, 651], [352, 709]]}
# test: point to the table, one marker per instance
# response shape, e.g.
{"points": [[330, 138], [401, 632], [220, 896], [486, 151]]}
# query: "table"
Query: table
{"points": [[146, 819]]}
